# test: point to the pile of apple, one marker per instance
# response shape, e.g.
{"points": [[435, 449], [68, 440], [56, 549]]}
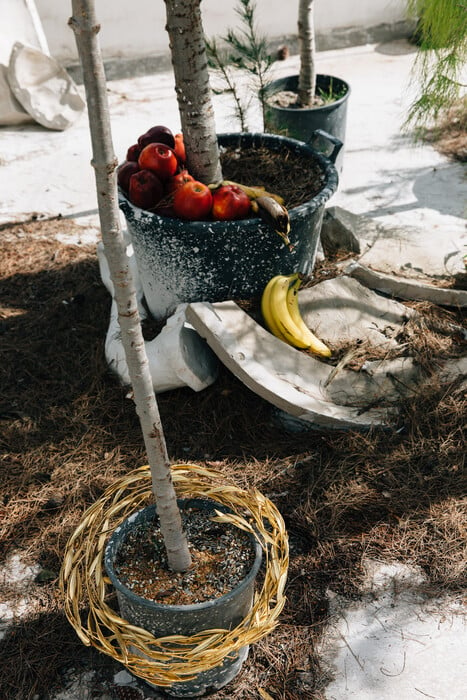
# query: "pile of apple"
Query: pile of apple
{"points": [[154, 177]]}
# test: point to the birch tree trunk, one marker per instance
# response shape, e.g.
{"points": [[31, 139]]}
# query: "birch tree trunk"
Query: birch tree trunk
{"points": [[84, 24], [307, 49], [190, 65]]}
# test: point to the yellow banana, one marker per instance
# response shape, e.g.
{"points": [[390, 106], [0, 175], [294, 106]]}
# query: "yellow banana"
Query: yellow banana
{"points": [[266, 309], [313, 343], [280, 311]]}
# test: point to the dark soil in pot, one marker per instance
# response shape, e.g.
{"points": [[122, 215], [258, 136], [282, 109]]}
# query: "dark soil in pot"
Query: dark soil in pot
{"points": [[222, 557], [281, 172]]}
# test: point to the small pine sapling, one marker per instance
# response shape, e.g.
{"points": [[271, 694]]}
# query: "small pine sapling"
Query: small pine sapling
{"points": [[244, 51]]}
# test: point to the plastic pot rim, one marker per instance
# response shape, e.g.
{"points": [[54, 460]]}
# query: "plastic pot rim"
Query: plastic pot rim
{"points": [[214, 602], [277, 85], [329, 172]]}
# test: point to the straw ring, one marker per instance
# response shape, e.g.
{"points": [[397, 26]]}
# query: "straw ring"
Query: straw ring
{"points": [[85, 586]]}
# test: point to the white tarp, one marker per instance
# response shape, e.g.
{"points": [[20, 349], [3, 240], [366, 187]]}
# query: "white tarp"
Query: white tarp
{"points": [[33, 86], [19, 22]]}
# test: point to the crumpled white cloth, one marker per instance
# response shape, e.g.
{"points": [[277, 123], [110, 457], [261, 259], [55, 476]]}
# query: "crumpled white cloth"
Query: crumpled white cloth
{"points": [[177, 356], [43, 88]]}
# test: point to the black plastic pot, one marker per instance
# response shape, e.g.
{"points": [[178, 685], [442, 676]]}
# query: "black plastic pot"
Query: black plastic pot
{"points": [[225, 612], [182, 261], [301, 123]]}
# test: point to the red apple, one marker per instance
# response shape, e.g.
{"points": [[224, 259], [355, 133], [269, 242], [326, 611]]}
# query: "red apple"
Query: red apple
{"points": [[125, 171], [230, 202], [157, 134], [192, 201], [145, 189], [178, 180], [133, 152], [160, 159], [179, 148]]}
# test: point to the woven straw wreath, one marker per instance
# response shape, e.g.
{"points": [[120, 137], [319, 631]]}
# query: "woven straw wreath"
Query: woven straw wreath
{"points": [[177, 658]]}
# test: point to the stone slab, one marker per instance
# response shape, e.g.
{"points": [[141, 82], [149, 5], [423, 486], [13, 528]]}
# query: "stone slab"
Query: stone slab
{"points": [[405, 262], [306, 388], [342, 309], [404, 288], [289, 379]]}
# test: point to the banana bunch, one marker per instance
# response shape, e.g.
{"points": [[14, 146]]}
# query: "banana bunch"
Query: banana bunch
{"points": [[281, 313]]}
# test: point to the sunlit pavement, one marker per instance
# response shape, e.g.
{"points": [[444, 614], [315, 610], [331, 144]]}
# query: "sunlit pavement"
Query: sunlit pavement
{"points": [[385, 174]]}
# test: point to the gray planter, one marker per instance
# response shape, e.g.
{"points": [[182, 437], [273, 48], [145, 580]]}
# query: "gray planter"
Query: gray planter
{"points": [[225, 612], [301, 123], [184, 261]]}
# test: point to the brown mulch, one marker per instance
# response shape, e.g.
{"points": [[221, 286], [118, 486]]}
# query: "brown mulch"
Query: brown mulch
{"points": [[68, 430], [297, 184], [449, 134]]}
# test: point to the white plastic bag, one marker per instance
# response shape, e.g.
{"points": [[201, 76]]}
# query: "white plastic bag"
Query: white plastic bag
{"points": [[11, 112], [43, 87]]}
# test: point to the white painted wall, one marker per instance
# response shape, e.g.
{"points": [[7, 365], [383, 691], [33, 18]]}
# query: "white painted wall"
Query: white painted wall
{"points": [[135, 29]]}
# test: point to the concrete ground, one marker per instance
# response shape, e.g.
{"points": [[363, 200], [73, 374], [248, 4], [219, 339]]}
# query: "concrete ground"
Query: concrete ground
{"points": [[385, 174], [393, 643]]}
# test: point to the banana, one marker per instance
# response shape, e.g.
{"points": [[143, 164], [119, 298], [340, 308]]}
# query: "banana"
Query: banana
{"points": [[266, 310], [314, 343], [281, 312]]}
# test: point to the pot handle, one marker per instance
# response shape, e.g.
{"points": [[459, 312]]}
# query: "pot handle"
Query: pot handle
{"points": [[318, 137]]}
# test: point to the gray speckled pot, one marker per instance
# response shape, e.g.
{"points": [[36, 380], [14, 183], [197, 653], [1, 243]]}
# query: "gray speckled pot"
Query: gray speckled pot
{"points": [[224, 612], [180, 261]]}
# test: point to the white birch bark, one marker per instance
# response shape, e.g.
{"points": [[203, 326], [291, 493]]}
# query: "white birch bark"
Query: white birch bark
{"points": [[307, 49], [84, 24], [190, 65]]}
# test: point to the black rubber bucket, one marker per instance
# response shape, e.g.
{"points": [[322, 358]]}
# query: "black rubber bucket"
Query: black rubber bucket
{"points": [[299, 123], [224, 612], [183, 261]]}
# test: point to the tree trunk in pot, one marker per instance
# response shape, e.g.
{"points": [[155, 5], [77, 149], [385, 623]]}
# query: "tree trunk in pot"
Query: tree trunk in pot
{"points": [[190, 65], [86, 28], [306, 40]]}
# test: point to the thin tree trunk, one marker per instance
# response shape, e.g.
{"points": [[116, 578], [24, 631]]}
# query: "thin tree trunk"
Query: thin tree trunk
{"points": [[307, 47], [190, 64], [84, 24]]}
